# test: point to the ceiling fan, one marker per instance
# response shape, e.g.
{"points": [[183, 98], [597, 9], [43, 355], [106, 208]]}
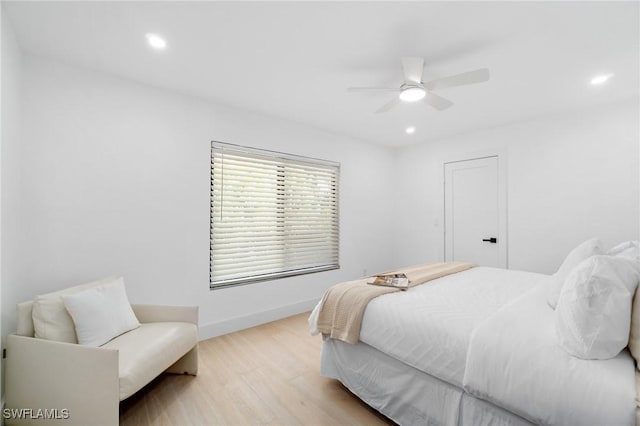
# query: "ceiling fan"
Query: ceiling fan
{"points": [[414, 89]]}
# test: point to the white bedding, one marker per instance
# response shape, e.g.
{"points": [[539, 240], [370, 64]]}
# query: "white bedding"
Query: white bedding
{"points": [[491, 332], [514, 361], [404, 394], [429, 326]]}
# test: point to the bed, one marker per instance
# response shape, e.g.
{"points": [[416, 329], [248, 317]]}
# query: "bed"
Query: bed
{"points": [[477, 347]]}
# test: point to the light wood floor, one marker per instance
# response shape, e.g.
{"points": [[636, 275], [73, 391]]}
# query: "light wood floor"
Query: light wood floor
{"points": [[266, 375]]}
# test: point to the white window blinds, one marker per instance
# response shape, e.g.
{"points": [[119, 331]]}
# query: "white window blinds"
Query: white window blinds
{"points": [[272, 215]]}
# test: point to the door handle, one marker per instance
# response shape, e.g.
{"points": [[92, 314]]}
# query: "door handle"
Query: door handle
{"points": [[491, 240]]}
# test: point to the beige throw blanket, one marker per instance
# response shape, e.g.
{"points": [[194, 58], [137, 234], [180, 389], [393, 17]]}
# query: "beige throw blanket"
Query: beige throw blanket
{"points": [[343, 304]]}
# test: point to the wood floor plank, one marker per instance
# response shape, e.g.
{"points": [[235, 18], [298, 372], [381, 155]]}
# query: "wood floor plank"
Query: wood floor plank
{"points": [[265, 375]]}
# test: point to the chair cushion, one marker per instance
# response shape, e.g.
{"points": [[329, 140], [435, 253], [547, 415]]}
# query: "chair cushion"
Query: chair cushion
{"points": [[150, 349], [25, 319], [101, 313], [51, 320]]}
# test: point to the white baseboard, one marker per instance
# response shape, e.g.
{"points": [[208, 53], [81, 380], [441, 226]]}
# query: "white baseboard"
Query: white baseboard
{"points": [[213, 329]]}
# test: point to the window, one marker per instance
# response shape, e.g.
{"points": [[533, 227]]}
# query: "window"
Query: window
{"points": [[272, 215]]}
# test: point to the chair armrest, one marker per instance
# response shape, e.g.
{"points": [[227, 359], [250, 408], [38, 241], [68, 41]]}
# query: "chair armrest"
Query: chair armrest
{"points": [[55, 375], [159, 313]]}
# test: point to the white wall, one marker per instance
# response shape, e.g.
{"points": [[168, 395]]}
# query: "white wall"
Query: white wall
{"points": [[570, 177], [10, 84], [111, 177], [115, 179]]}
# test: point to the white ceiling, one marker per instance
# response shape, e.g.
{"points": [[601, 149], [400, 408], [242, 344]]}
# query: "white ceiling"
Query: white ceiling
{"points": [[295, 59]]}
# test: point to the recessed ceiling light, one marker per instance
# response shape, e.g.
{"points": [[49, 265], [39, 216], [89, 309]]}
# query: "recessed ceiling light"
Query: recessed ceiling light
{"points": [[156, 41], [413, 93], [601, 79], [410, 129]]}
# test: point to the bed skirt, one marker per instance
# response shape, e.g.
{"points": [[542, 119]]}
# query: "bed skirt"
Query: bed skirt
{"points": [[404, 394]]}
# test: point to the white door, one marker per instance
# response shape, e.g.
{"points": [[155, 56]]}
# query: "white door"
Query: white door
{"points": [[473, 199]]}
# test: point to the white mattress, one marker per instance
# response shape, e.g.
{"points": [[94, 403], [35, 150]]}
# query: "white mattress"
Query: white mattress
{"points": [[429, 326]]}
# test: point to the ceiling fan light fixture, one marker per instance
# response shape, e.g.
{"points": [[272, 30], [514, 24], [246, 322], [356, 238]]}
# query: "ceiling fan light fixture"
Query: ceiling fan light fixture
{"points": [[156, 41], [412, 94], [600, 79]]}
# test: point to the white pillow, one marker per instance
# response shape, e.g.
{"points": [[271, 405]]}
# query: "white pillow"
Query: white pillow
{"points": [[583, 251], [593, 315], [628, 249], [51, 320], [101, 313]]}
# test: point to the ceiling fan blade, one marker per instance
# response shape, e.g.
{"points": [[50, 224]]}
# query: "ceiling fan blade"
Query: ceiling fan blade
{"points": [[438, 102], [386, 107], [470, 77], [412, 68], [372, 89]]}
